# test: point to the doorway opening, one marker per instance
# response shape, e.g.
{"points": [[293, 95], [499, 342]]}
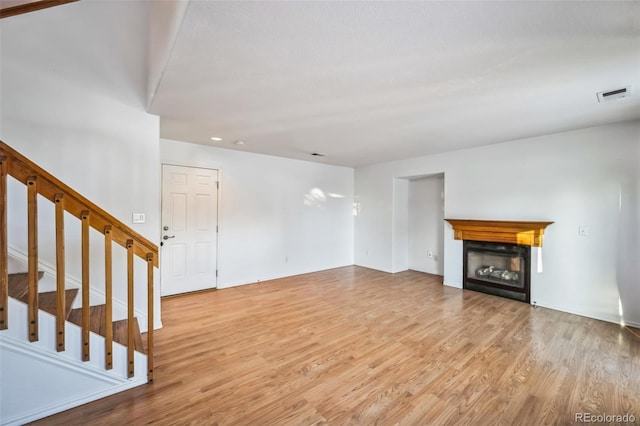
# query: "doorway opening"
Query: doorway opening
{"points": [[418, 223], [426, 224]]}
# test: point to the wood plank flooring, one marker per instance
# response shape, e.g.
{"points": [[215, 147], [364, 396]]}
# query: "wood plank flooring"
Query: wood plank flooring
{"points": [[357, 346]]}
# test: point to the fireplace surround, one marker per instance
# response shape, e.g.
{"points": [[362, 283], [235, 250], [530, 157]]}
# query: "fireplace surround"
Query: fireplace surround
{"points": [[497, 255]]}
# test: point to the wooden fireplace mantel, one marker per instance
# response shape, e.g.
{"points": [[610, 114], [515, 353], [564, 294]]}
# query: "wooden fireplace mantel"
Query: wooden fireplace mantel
{"points": [[499, 231]]}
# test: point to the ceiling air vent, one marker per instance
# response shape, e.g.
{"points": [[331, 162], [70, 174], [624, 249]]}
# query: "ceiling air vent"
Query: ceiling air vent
{"points": [[612, 95]]}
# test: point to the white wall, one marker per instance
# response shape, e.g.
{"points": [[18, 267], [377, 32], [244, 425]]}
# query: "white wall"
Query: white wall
{"points": [[585, 177], [373, 233], [73, 100], [426, 224], [273, 220], [400, 233]]}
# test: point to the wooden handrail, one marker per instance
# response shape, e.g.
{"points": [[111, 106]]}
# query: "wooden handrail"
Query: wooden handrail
{"points": [[39, 181], [22, 168], [28, 6]]}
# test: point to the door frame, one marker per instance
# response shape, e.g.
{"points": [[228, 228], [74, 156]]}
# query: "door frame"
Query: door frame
{"points": [[218, 188]]}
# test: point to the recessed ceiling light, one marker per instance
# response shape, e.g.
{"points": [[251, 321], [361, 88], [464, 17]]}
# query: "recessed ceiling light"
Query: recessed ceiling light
{"points": [[239, 142], [216, 138]]}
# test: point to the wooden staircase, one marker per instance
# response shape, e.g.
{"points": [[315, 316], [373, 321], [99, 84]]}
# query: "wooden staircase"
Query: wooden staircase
{"points": [[47, 302], [42, 187]]}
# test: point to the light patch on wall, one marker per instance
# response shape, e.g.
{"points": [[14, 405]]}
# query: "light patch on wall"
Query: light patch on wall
{"points": [[356, 209], [539, 260], [620, 201], [315, 198], [621, 312], [333, 195]]}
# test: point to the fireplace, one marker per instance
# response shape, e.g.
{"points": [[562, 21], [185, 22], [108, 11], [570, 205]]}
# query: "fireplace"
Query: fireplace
{"points": [[497, 255], [497, 268]]}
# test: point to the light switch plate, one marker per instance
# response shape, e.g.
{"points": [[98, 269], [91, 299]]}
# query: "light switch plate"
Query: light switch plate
{"points": [[139, 218]]}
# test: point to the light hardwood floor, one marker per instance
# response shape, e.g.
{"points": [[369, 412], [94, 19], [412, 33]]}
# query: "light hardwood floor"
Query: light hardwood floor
{"points": [[357, 346]]}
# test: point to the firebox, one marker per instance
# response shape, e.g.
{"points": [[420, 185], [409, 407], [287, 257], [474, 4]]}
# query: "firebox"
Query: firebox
{"points": [[497, 268]]}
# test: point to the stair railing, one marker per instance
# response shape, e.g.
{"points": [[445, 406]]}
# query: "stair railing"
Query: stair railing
{"points": [[39, 181]]}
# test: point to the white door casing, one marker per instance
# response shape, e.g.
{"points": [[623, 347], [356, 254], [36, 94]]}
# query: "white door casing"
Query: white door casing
{"points": [[189, 229]]}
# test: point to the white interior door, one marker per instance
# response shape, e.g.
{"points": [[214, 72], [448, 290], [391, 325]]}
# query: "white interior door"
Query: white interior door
{"points": [[189, 229]]}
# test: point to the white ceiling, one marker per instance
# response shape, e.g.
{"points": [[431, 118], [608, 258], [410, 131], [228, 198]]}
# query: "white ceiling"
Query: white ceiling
{"points": [[366, 82]]}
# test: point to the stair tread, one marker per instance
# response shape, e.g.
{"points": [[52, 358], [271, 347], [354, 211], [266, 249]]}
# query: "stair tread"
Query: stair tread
{"points": [[19, 289], [120, 333], [97, 325], [19, 285], [96, 318], [47, 301]]}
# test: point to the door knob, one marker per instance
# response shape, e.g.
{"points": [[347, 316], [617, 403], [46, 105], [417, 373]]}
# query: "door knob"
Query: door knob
{"points": [[166, 237]]}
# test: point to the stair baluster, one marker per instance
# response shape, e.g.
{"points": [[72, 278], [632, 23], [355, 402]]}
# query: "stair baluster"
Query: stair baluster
{"points": [[61, 308], [150, 317], [86, 324], [130, 341], [32, 231], [4, 247], [108, 310]]}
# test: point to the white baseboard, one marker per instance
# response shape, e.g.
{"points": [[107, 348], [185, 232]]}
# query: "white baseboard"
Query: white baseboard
{"points": [[611, 319], [276, 277], [454, 285], [375, 268], [40, 414]]}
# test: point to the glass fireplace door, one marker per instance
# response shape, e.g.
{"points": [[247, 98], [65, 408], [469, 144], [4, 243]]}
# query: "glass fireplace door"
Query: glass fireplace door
{"points": [[496, 268]]}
